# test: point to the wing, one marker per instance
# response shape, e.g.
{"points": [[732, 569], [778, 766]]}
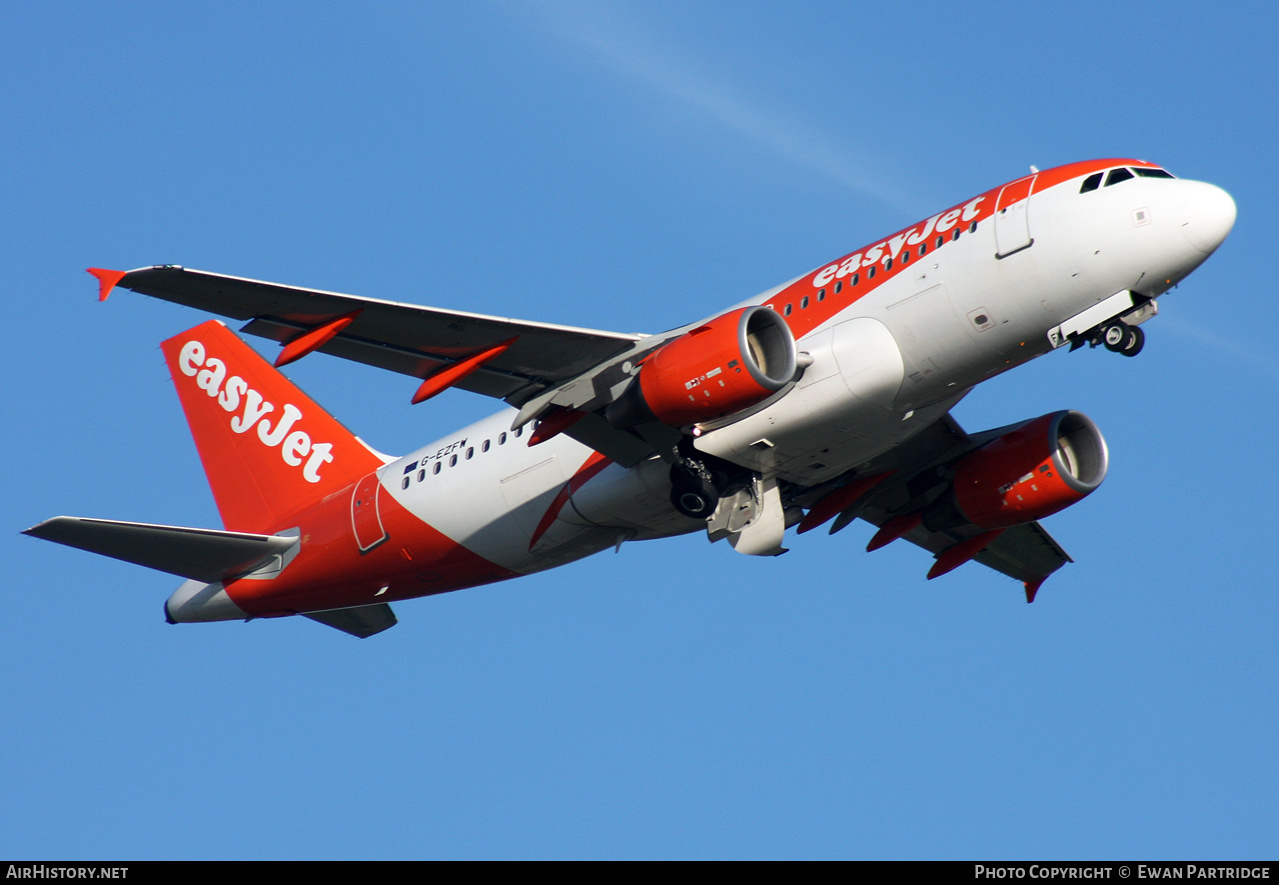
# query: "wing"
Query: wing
{"points": [[913, 474], [1026, 553], [537, 367], [404, 338]]}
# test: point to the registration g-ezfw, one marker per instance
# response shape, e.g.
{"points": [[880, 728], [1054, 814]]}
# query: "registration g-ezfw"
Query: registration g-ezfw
{"points": [[825, 398]]}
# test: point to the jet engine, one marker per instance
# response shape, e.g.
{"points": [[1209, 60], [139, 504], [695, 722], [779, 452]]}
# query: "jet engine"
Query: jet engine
{"points": [[726, 365], [1032, 471]]}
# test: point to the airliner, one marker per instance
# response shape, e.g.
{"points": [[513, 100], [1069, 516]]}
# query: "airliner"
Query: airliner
{"points": [[823, 400]]}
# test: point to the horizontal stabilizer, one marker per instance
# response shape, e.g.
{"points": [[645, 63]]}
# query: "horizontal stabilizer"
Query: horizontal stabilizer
{"points": [[207, 555], [361, 622]]}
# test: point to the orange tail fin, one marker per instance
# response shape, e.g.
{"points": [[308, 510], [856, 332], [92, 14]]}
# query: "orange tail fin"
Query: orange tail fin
{"points": [[267, 448]]}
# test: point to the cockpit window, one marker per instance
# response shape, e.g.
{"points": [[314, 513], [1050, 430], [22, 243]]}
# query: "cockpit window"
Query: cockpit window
{"points": [[1146, 172], [1091, 183], [1117, 175]]}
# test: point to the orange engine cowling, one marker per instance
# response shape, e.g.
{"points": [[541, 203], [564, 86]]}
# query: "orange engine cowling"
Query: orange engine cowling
{"points": [[723, 366], [1030, 472]]}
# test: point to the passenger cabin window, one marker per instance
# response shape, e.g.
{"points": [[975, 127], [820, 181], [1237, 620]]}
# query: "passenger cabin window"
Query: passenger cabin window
{"points": [[1118, 175], [1091, 183]]}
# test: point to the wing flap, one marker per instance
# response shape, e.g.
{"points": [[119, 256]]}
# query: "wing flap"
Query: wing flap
{"points": [[414, 362], [1027, 553], [1024, 552], [207, 555], [620, 446]]}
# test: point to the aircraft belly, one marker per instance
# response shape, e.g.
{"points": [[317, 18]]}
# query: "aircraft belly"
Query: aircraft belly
{"points": [[941, 357], [823, 426], [492, 502], [632, 503]]}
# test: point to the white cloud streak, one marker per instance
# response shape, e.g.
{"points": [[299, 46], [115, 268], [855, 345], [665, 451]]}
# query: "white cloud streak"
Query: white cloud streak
{"points": [[1266, 363], [612, 33]]}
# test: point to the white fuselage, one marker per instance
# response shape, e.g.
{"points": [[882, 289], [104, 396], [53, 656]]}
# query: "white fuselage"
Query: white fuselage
{"points": [[882, 368]]}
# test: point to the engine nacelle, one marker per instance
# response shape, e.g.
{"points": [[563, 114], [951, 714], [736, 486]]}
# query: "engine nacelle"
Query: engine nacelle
{"points": [[1032, 471], [723, 366]]}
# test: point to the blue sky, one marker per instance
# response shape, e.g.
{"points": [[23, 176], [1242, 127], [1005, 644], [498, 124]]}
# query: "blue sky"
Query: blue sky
{"points": [[630, 166]]}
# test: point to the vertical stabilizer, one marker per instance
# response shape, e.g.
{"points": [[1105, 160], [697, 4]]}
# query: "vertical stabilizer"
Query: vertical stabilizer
{"points": [[267, 448]]}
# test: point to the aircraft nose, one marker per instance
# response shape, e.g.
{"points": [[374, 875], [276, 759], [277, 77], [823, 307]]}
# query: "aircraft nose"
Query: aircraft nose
{"points": [[1208, 215]]}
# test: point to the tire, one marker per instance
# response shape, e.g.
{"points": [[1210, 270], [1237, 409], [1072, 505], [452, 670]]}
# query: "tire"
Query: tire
{"points": [[1114, 336], [1134, 341], [693, 497]]}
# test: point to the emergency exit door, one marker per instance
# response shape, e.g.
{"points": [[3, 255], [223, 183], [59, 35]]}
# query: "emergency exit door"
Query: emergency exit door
{"points": [[1012, 217]]}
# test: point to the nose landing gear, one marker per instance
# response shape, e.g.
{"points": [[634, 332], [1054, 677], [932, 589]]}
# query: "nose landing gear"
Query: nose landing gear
{"points": [[1123, 338]]}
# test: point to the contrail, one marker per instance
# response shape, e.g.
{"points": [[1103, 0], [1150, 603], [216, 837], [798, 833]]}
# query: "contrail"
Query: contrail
{"points": [[613, 34], [1262, 361]]}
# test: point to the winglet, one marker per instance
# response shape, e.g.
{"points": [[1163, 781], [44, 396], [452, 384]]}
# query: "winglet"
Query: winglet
{"points": [[1032, 587], [314, 338], [106, 280]]}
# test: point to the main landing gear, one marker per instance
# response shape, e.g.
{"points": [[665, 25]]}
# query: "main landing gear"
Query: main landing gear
{"points": [[692, 495], [698, 481], [1123, 338]]}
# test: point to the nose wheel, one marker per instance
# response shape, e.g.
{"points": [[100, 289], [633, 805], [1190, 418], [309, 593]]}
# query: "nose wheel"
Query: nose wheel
{"points": [[1123, 338]]}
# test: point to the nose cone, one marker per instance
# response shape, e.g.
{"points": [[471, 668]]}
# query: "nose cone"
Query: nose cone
{"points": [[1208, 214]]}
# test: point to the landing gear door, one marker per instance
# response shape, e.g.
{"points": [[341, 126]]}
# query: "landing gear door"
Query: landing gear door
{"points": [[1012, 218], [366, 521]]}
